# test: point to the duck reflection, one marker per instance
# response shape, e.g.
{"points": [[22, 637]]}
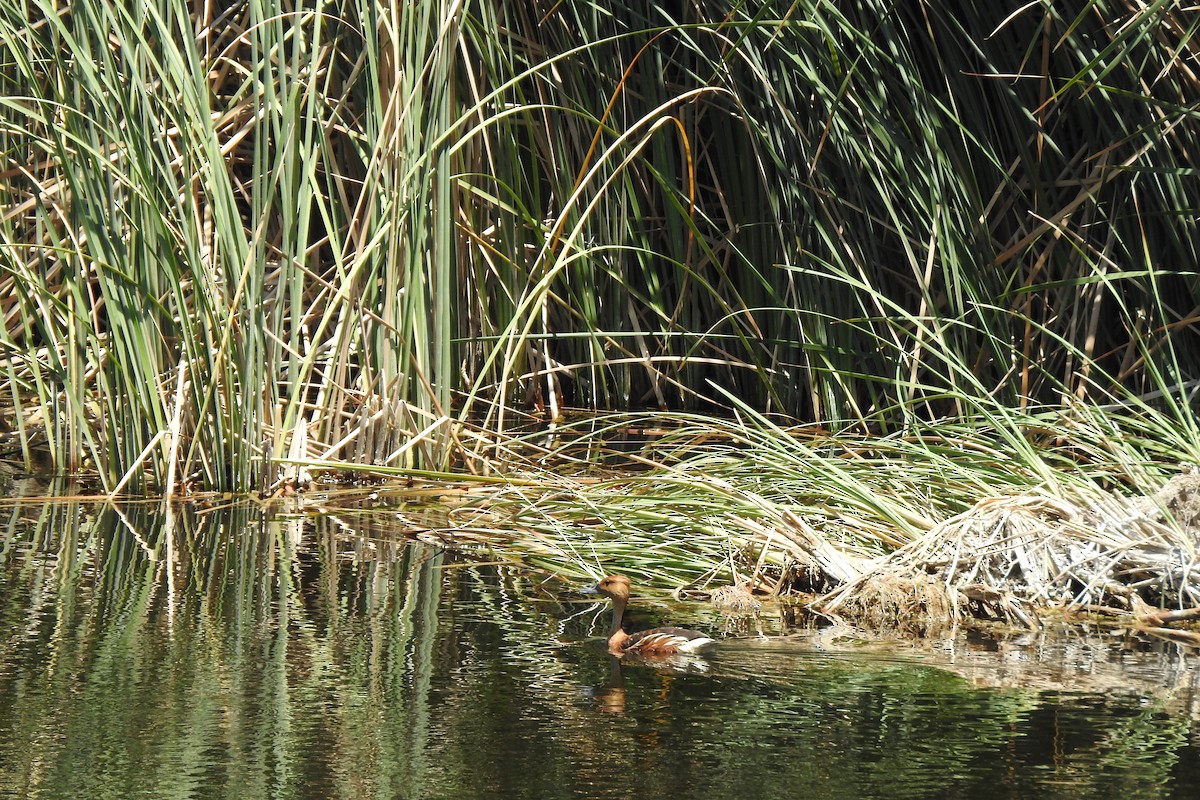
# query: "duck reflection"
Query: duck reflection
{"points": [[611, 697]]}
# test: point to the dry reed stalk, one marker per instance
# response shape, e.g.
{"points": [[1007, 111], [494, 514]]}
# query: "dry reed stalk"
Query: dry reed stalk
{"points": [[1008, 557]]}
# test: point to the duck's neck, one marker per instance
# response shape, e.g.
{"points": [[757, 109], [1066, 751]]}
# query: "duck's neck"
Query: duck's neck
{"points": [[618, 614], [617, 634]]}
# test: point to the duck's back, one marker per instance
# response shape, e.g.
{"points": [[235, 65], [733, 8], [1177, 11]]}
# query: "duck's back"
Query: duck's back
{"points": [[666, 640]]}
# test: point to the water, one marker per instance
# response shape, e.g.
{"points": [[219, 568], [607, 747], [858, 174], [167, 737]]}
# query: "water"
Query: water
{"points": [[224, 655]]}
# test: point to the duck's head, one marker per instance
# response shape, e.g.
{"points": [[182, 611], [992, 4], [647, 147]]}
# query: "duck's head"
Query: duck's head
{"points": [[613, 587]]}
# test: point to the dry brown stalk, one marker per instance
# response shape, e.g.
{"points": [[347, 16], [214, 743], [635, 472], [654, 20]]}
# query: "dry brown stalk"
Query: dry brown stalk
{"points": [[1007, 557]]}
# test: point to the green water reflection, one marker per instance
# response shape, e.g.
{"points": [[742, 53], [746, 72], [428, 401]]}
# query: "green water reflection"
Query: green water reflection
{"points": [[221, 654]]}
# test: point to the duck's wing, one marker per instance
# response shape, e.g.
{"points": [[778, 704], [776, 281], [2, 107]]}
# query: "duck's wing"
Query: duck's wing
{"points": [[666, 640]]}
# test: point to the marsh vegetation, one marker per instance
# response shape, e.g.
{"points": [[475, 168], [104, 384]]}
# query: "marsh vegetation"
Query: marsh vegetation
{"points": [[872, 265]]}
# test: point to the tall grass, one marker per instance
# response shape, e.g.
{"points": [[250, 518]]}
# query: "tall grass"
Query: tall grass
{"points": [[242, 235]]}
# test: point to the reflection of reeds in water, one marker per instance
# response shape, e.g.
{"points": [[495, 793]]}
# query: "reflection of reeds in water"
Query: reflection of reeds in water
{"points": [[220, 635]]}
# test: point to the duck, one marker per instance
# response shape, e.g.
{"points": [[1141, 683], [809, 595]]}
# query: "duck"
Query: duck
{"points": [[664, 641]]}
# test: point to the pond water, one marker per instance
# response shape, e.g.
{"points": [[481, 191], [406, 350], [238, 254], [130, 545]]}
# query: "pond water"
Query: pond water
{"points": [[219, 653]]}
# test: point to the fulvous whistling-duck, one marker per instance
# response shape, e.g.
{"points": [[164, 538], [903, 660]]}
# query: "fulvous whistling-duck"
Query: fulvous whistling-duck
{"points": [[653, 642]]}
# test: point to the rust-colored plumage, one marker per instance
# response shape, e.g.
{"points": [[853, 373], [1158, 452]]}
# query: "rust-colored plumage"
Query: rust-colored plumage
{"points": [[654, 642]]}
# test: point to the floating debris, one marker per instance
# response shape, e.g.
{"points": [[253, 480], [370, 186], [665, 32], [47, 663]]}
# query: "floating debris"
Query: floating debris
{"points": [[1007, 558], [734, 600]]}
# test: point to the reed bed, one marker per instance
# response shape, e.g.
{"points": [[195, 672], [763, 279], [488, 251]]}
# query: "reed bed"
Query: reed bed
{"points": [[914, 288], [240, 236], [919, 532]]}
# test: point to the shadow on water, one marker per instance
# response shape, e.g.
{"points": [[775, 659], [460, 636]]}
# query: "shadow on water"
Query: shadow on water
{"points": [[224, 653]]}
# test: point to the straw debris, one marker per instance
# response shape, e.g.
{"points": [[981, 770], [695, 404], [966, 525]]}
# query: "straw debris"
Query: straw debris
{"points": [[734, 600], [916, 605], [1010, 558]]}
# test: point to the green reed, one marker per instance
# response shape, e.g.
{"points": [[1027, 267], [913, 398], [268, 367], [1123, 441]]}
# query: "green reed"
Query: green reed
{"points": [[287, 233]]}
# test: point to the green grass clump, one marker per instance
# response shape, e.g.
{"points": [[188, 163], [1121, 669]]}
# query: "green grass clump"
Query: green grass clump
{"points": [[722, 500]]}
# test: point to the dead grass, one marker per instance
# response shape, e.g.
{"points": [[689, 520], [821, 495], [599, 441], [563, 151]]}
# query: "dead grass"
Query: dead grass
{"points": [[1011, 558]]}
